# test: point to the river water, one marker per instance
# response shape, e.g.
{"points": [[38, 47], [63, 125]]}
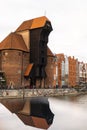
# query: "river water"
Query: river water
{"points": [[70, 114]]}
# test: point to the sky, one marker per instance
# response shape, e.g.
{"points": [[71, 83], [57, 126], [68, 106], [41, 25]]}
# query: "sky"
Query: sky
{"points": [[68, 19]]}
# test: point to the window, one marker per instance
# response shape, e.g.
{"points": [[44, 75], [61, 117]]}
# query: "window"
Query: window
{"points": [[42, 52], [19, 53], [43, 59], [5, 53], [42, 44]]}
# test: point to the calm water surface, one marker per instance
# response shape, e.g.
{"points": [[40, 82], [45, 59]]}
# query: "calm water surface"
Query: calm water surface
{"points": [[70, 114]]}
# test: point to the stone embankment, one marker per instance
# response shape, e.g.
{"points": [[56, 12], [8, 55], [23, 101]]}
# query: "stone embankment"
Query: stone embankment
{"points": [[24, 93]]}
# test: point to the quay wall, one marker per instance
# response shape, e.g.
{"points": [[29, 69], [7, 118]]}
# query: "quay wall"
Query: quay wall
{"points": [[24, 93]]}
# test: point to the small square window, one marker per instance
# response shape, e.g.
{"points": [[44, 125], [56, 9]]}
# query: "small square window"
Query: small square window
{"points": [[43, 59]]}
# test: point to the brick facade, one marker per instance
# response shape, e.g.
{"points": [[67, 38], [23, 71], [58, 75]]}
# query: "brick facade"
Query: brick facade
{"points": [[28, 44], [72, 71], [60, 58], [67, 70], [14, 63], [50, 70], [20, 48]]}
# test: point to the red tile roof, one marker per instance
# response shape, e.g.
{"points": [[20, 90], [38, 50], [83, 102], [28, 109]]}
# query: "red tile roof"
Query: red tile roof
{"points": [[33, 23], [13, 41]]}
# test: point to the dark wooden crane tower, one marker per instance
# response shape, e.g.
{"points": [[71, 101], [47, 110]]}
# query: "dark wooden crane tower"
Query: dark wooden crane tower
{"points": [[38, 51]]}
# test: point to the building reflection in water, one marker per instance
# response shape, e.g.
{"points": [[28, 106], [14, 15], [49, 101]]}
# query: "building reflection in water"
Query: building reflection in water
{"points": [[69, 114], [33, 112]]}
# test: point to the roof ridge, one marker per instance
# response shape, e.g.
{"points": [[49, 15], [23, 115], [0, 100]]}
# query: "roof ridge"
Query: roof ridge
{"points": [[14, 41], [32, 23], [36, 18]]}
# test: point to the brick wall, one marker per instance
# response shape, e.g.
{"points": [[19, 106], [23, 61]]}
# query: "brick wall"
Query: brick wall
{"points": [[13, 64], [50, 70], [72, 71], [59, 63], [26, 59]]}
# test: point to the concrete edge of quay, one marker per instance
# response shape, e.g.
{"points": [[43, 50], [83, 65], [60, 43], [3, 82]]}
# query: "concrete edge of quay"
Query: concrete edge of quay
{"points": [[25, 93]]}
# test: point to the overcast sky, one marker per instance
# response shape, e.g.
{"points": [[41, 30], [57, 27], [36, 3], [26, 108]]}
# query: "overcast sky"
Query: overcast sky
{"points": [[68, 18]]}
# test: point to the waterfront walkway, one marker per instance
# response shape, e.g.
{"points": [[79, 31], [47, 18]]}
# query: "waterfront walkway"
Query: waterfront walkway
{"points": [[24, 93]]}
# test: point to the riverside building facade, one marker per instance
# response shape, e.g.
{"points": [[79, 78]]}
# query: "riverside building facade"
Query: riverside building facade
{"points": [[68, 73], [25, 57]]}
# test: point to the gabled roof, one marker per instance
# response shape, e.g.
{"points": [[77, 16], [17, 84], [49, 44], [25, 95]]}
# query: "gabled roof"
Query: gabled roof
{"points": [[33, 23], [13, 41]]}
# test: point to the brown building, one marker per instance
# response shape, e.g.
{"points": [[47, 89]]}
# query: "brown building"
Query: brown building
{"points": [[67, 70], [60, 59], [50, 69], [72, 71], [14, 57], [24, 55]]}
